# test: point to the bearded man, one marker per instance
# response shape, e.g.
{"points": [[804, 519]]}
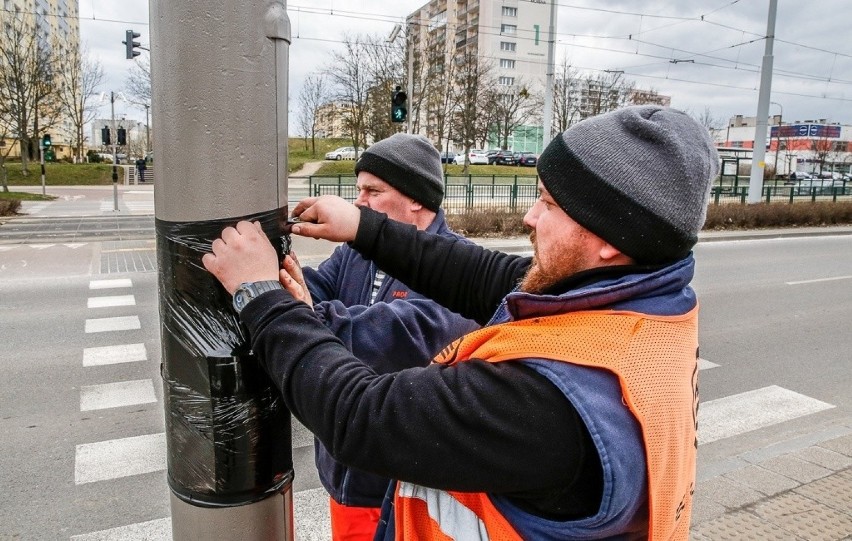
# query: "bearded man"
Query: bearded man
{"points": [[571, 413]]}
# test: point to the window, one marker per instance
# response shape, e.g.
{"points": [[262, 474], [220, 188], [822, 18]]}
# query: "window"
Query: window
{"points": [[510, 12], [506, 81], [508, 46], [508, 29], [507, 63]]}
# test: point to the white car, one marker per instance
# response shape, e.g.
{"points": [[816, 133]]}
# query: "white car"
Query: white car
{"points": [[342, 153], [475, 156]]}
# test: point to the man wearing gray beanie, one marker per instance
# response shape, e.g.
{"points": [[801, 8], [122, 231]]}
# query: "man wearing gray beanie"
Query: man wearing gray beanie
{"points": [[572, 413], [380, 318]]}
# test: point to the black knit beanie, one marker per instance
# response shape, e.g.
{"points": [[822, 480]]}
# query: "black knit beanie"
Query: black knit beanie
{"points": [[409, 163], [638, 177]]}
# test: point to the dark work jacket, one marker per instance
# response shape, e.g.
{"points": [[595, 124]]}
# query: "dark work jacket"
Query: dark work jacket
{"points": [[501, 428], [400, 330]]}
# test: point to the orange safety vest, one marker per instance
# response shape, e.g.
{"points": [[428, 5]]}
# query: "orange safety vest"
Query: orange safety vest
{"points": [[656, 361]]}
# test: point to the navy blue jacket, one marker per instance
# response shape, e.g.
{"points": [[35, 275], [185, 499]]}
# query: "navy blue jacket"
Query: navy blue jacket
{"points": [[388, 336]]}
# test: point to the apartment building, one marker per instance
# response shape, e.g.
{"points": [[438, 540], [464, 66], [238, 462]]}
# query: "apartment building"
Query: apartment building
{"points": [[510, 36], [57, 27]]}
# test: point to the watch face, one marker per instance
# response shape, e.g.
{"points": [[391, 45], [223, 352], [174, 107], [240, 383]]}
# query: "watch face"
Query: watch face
{"points": [[240, 299]]}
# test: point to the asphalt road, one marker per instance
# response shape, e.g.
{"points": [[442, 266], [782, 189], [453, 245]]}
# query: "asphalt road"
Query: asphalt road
{"points": [[776, 316]]}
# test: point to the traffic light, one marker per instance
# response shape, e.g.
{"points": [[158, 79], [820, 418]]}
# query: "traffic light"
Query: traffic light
{"points": [[45, 140], [121, 136], [105, 139], [398, 107], [131, 45]]}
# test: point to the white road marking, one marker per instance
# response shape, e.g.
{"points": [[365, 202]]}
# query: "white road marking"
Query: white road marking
{"points": [[124, 457], [116, 395], [74, 245], [704, 364], [124, 353], [116, 300], [153, 530], [41, 246], [110, 284], [744, 412], [108, 324], [817, 280], [5, 248]]}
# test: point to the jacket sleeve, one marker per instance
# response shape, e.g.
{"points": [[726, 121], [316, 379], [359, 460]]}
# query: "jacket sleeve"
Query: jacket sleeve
{"points": [[464, 277], [474, 426], [390, 336], [322, 281]]}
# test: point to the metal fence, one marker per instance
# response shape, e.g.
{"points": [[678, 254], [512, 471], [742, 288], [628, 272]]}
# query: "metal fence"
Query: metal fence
{"points": [[514, 193]]}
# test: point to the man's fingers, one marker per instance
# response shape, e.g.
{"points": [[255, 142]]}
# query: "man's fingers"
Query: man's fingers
{"points": [[208, 260], [302, 205]]}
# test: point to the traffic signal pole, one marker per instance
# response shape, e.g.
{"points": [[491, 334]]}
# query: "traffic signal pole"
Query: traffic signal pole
{"points": [[219, 81]]}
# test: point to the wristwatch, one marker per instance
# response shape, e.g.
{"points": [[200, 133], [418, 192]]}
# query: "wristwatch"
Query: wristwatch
{"points": [[250, 290]]}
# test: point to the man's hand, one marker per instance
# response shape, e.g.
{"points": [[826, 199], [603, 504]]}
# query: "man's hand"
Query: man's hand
{"points": [[293, 280], [327, 217], [242, 254]]}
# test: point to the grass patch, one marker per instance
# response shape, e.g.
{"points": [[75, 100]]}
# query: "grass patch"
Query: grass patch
{"points": [[299, 151], [503, 173], [10, 202], [60, 174], [494, 223]]}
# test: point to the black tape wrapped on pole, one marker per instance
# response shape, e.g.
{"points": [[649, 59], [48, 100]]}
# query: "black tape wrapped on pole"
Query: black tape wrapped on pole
{"points": [[229, 431]]}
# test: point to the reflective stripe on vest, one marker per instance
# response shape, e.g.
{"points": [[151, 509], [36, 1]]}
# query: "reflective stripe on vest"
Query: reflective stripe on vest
{"points": [[655, 359]]}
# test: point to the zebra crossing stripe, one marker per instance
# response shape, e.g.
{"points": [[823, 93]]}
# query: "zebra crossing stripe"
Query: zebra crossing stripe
{"points": [[153, 530], [108, 324], [704, 364], [117, 300], [110, 284], [116, 395], [123, 457], [744, 412], [124, 353]]}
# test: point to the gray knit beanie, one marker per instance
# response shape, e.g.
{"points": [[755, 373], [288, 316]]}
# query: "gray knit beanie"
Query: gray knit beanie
{"points": [[409, 163], [638, 177]]}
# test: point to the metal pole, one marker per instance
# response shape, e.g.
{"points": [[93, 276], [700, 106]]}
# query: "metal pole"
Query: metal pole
{"points": [[547, 121], [147, 131], [410, 46], [220, 70], [41, 153], [778, 136], [114, 154], [755, 185]]}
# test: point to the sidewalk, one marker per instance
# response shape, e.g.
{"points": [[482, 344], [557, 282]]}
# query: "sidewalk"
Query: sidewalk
{"points": [[799, 489]]}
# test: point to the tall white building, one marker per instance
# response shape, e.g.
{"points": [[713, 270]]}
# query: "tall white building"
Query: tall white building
{"points": [[509, 35], [56, 24]]}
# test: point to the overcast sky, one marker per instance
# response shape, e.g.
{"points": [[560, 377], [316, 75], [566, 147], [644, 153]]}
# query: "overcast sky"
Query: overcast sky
{"points": [[724, 40]]}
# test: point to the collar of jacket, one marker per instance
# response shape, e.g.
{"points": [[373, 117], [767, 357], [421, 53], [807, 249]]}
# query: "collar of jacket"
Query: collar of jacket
{"points": [[651, 290]]}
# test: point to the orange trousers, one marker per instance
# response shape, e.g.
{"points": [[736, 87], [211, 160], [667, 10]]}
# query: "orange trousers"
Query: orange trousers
{"points": [[353, 523]]}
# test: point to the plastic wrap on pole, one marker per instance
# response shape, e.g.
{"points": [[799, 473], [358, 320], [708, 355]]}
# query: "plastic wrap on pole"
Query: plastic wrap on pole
{"points": [[225, 418]]}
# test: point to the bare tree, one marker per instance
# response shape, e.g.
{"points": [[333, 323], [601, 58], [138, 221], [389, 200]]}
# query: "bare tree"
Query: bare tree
{"points": [[605, 92], [438, 72], [350, 77], [314, 95], [385, 66], [26, 83], [78, 84], [512, 107], [467, 93], [138, 83], [713, 124], [565, 97]]}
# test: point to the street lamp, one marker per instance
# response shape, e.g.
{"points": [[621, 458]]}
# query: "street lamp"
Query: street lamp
{"points": [[777, 134]]}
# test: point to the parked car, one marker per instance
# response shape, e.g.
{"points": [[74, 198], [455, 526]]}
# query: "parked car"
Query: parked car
{"points": [[448, 157], [505, 157], [527, 159], [343, 153], [475, 156], [492, 156]]}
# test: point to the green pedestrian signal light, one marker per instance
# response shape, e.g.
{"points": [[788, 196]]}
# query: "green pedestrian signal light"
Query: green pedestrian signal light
{"points": [[45, 141], [398, 105]]}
